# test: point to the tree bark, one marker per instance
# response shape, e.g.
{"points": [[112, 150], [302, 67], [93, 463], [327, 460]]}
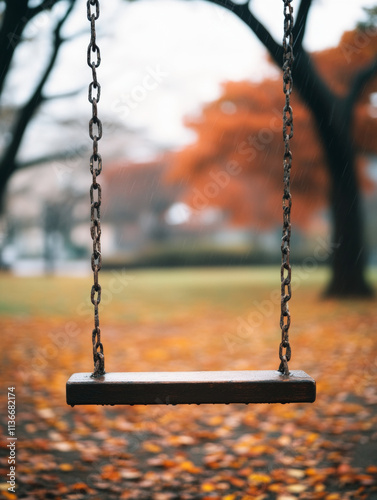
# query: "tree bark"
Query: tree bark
{"points": [[348, 257], [349, 253], [11, 30], [334, 118]]}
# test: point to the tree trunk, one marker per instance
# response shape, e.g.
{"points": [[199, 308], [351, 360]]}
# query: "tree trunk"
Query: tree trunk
{"points": [[13, 24], [348, 257], [6, 172], [333, 119]]}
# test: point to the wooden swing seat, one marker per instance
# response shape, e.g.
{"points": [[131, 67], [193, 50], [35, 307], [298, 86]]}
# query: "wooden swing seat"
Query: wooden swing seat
{"points": [[213, 387]]}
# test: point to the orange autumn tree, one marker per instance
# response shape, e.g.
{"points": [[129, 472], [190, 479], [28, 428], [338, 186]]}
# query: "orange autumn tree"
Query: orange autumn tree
{"points": [[236, 163], [239, 143]]}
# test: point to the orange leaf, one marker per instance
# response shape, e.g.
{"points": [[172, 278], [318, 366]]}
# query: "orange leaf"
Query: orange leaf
{"points": [[188, 466], [66, 467], [259, 478], [152, 447], [208, 487]]}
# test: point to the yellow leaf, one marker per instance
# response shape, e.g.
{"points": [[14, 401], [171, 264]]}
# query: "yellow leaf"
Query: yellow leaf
{"points": [[152, 447], [207, 487], [188, 466], [259, 478], [66, 467], [216, 421], [313, 436], [274, 487]]}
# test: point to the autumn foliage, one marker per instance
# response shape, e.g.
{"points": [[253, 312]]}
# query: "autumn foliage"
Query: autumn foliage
{"points": [[236, 162]]}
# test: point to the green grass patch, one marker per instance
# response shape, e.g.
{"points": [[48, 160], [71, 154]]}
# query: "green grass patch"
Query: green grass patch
{"points": [[153, 293]]}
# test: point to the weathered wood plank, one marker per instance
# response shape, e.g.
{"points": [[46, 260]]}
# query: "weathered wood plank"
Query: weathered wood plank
{"points": [[149, 388]]}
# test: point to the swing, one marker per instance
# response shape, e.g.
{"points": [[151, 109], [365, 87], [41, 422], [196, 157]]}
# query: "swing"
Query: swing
{"points": [[268, 386]]}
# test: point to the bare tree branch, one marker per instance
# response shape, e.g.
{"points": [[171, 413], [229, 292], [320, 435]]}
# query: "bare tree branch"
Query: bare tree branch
{"points": [[64, 95], [359, 82], [8, 162], [300, 24], [15, 18], [55, 157], [45, 5], [311, 86], [244, 13], [11, 35]]}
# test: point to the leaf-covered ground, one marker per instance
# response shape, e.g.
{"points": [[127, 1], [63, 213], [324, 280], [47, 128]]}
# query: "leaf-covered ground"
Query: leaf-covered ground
{"points": [[188, 320]]}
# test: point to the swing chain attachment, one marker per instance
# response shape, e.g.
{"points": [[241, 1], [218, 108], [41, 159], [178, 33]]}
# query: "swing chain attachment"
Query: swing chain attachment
{"points": [[95, 133], [286, 272]]}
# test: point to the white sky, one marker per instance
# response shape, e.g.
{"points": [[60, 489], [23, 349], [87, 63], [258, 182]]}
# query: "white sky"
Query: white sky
{"points": [[195, 46]]}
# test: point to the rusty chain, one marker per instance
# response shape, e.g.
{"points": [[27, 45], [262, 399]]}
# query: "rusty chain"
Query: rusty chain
{"points": [[95, 133], [286, 272]]}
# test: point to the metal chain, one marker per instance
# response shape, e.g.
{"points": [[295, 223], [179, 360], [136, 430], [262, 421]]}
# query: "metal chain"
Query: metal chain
{"points": [[285, 273], [95, 133]]}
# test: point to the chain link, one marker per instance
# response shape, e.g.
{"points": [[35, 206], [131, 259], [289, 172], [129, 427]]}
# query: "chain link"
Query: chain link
{"points": [[95, 133], [286, 272]]}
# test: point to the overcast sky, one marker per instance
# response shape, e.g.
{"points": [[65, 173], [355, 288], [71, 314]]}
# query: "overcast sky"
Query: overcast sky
{"points": [[161, 59]]}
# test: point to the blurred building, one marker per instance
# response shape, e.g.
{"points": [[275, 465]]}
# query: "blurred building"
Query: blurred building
{"points": [[47, 218], [144, 222]]}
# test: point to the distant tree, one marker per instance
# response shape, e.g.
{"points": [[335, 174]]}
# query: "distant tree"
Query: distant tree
{"points": [[333, 124], [15, 17]]}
